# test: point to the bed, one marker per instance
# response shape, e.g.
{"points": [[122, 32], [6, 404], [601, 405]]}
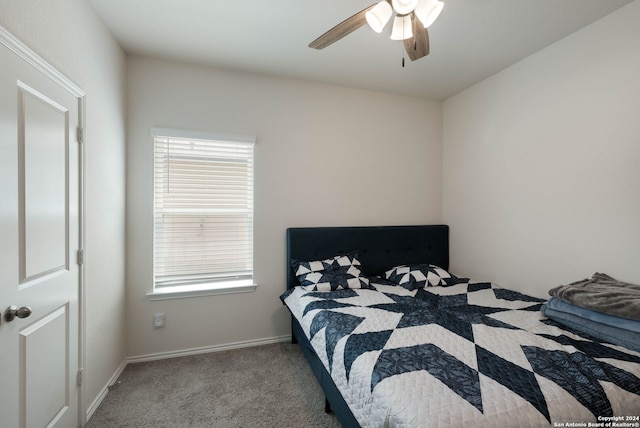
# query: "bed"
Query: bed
{"points": [[418, 346]]}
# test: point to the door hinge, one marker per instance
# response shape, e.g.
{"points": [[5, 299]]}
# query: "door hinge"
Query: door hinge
{"points": [[80, 135], [80, 257], [80, 376]]}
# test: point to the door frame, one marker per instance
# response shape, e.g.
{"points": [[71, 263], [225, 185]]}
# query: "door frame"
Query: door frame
{"points": [[36, 61]]}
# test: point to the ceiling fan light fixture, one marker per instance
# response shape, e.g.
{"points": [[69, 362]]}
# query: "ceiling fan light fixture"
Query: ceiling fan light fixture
{"points": [[379, 15], [403, 7], [428, 11], [401, 28]]}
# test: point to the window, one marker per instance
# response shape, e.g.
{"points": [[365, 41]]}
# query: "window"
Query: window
{"points": [[203, 211]]}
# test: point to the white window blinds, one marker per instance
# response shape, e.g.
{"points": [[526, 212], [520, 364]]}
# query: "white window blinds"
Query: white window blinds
{"points": [[203, 209]]}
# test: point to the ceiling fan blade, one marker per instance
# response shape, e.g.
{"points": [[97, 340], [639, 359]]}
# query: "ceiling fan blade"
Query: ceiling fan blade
{"points": [[418, 45], [344, 28]]}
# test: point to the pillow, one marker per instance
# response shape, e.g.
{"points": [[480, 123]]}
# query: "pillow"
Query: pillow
{"points": [[416, 276], [339, 272]]}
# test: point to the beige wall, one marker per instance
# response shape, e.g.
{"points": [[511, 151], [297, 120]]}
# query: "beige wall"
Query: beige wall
{"points": [[325, 155], [68, 34], [542, 163]]}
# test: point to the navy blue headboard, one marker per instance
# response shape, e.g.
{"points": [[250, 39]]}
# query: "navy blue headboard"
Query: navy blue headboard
{"points": [[379, 247]]}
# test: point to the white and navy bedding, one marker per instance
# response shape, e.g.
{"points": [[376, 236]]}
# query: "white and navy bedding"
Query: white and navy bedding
{"points": [[442, 351]]}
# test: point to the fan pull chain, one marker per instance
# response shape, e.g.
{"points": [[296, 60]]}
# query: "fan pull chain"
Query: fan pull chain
{"points": [[402, 44]]}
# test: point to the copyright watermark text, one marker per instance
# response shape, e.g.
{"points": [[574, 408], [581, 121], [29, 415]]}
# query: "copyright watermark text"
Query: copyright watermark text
{"points": [[604, 422]]}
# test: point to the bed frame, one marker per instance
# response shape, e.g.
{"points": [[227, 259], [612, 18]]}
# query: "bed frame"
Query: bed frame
{"points": [[379, 249]]}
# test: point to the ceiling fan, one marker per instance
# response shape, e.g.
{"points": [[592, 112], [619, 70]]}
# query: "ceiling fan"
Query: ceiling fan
{"points": [[412, 18]]}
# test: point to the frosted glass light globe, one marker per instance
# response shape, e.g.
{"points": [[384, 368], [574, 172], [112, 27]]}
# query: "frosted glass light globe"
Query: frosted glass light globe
{"points": [[379, 15], [403, 7]]}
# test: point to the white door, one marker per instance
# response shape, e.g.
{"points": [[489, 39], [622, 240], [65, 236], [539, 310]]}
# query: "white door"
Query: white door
{"points": [[39, 241]]}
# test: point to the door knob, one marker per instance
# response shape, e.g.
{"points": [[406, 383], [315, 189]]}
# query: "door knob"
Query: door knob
{"points": [[13, 311]]}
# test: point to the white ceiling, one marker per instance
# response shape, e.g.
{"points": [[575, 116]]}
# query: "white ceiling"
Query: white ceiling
{"points": [[471, 40]]}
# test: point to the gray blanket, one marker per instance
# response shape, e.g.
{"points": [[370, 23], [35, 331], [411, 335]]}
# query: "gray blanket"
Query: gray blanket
{"points": [[604, 294]]}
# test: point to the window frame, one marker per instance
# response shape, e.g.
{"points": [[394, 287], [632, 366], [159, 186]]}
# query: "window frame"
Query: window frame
{"points": [[227, 286]]}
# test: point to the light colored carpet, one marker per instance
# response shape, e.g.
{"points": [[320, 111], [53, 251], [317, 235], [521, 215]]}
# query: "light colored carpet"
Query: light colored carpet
{"points": [[264, 386]]}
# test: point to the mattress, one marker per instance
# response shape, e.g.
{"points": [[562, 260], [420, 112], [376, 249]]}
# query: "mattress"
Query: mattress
{"points": [[469, 354]]}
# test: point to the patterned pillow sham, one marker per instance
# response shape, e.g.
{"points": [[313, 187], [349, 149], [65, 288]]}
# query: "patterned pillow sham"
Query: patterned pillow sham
{"points": [[416, 276], [339, 272]]}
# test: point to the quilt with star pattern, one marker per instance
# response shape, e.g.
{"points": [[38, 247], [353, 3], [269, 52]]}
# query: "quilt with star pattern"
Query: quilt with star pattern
{"points": [[471, 354]]}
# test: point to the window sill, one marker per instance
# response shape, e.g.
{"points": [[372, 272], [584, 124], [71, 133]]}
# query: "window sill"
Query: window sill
{"points": [[200, 290]]}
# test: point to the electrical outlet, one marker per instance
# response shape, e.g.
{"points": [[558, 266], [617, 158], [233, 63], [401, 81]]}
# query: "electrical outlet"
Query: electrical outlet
{"points": [[158, 320]]}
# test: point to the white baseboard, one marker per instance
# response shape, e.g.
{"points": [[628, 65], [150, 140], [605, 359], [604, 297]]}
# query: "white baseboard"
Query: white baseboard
{"points": [[174, 354], [207, 349], [96, 403]]}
